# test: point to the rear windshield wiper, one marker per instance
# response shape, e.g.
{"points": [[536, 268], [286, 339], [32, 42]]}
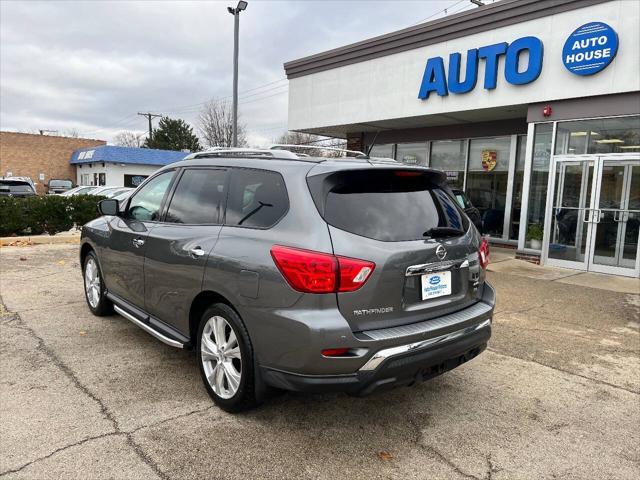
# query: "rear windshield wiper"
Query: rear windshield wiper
{"points": [[437, 232]]}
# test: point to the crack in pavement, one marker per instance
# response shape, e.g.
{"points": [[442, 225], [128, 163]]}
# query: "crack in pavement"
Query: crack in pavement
{"points": [[521, 310], [419, 441], [66, 370], [58, 450], [52, 307], [594, 380], [606, 348], [114, 433]]}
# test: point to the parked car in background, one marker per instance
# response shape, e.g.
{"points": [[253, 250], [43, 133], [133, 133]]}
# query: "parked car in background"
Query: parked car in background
{"points": [[118, 191], [123, 195], [56, 186], [300, 273], [472, 212], [16, 187], [79, 190], [107, 191]]}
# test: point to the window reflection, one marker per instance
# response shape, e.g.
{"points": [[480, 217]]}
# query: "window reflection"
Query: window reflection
{"points": [[449, 156], [604, 135], [487, 180]]}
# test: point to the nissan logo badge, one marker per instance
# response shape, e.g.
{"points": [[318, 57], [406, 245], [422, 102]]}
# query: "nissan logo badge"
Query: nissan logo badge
{"points": [[441, 252]]}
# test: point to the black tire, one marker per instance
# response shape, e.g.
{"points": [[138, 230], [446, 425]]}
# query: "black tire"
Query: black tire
{"points": [[104, 306], [245, 396]]}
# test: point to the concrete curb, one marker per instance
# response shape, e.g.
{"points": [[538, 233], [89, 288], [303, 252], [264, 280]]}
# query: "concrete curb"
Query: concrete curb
{"points": [[39, 240]]}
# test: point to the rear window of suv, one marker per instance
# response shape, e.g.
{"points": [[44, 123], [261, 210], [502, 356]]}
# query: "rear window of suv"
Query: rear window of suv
{"points": [[387, 205], [14, 186]]}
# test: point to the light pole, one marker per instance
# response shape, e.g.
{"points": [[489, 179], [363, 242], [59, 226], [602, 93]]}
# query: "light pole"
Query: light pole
{"points": [[242, 5]]}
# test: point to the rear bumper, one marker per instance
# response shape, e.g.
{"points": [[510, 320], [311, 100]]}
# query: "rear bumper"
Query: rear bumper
{"points": [[399, 365]]}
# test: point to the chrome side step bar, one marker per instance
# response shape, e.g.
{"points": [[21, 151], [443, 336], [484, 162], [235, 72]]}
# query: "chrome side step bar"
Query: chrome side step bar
{"points": [[169, 341]]}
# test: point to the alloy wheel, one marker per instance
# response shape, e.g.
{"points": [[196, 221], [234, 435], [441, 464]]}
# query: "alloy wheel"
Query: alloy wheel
{"points": [[92, 282], [221, 357]]}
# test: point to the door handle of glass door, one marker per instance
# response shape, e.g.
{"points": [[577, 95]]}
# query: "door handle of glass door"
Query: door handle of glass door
{"points": [[598, 214], [586, 217]]}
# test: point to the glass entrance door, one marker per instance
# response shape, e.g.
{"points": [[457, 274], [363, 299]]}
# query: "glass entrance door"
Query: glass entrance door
{"points": [[594, 216], [617, 217], [571, 213]]}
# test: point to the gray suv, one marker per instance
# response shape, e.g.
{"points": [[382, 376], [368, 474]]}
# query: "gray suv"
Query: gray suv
{"points": [[299, 273]]}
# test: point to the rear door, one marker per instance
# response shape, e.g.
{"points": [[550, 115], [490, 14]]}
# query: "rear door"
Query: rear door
{"points": [[178, 248], [409, 225]]}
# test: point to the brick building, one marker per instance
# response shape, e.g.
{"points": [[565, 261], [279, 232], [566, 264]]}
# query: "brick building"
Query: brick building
{"points": [[40, 157]]}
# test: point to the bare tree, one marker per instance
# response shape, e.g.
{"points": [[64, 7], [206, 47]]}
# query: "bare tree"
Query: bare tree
{"points": [[129, 139], [71, 132], [308, 139], [215, 124]]}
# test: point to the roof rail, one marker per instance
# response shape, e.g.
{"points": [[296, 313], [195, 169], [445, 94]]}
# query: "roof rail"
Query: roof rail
{"points": [[284, 147], [242, 152]]}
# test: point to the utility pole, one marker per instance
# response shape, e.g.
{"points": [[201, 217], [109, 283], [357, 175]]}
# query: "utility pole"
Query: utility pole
{"points": [[149, 117], [242, 5]]}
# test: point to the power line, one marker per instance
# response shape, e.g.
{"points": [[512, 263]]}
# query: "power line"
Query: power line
{"points": [[221, 99], [150, 117], [444, 10]]}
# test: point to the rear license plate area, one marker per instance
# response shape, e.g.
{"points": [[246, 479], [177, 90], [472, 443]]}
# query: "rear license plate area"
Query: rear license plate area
{"points": [[437, 284]]}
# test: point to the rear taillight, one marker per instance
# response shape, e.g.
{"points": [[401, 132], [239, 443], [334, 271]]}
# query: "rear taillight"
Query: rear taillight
{"points": [[315, 272], [483, 253], [353, 273]]}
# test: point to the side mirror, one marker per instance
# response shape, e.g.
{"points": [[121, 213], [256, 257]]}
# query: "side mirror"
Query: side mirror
{"points": [[108, 206]]}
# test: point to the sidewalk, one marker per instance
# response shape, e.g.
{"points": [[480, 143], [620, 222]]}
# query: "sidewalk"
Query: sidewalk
{"points": [[72, 236], [503, 261]]}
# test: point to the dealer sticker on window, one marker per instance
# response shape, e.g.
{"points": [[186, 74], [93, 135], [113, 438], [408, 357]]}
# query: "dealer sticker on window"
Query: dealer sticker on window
{"points": [[436, 285]]}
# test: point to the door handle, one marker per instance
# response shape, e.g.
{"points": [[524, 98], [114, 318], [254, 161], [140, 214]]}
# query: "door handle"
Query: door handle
{"points": [[197, 252], [598, 215], [587, 215], [138, 242], [620, 216]]}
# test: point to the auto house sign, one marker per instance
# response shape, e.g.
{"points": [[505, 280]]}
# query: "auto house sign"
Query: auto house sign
{"points": [[589, 49]]}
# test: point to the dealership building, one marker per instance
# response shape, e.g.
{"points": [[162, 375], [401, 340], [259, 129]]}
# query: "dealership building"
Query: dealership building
{"points": [[532, 107]]}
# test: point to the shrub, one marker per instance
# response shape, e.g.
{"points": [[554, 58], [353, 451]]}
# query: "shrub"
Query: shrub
{"points": [[51, 214], [13, 217], [84, 208]]}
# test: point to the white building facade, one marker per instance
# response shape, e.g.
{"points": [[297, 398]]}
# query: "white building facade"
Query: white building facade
{"points": [[120, 166], [531, 107]]}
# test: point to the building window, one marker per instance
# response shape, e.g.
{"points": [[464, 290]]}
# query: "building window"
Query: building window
{"points": [[102, 179], [382, 151], [604, 135], [487, 180], [449, 156], [518, 183], [538, 183], [132, 181], [412, 153]]}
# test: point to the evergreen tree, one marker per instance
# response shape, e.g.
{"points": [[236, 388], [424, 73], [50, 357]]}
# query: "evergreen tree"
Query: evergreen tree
{"points": [[173, 134]]}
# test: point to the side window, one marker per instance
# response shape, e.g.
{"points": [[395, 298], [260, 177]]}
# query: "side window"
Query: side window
{"points": [[257, 198], [198, 198], [145, 205]]}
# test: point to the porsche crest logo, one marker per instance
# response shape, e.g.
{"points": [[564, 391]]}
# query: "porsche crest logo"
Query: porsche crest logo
{"points": [[489, 160]]}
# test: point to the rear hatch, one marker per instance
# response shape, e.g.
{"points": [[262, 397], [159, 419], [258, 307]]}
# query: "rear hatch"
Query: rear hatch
{"points": [[408, 224]]}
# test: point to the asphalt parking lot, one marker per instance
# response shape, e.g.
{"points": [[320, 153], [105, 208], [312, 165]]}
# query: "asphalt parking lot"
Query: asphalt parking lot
{"points": [[556, 395]]}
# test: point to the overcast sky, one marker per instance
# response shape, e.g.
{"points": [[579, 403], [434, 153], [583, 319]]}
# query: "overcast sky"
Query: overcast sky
{"points": [[91, 66]]}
